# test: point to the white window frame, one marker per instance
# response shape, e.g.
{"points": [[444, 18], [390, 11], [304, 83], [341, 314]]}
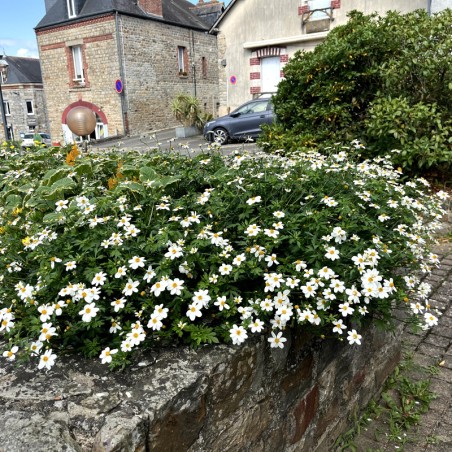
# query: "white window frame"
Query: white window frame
{"points": [[180, 58], [32, 107], [71, 9], [78, 64], [7, 109]]}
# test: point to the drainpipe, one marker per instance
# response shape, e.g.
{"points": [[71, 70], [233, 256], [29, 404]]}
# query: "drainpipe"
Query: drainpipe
{"points": [[194, 60], [429, 7], [121, 72]]}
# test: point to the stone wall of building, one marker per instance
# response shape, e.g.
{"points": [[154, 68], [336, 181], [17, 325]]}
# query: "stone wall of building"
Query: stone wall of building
{"points": [[98, 40], [19, 119], [221, 398], [152, 78]]}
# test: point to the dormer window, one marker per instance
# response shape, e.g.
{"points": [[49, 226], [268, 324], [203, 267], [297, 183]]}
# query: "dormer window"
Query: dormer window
{"points": [[71, 9]]}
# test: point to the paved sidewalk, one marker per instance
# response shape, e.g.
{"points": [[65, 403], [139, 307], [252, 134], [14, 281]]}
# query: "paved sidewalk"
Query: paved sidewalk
{"points": [[430, 348]]}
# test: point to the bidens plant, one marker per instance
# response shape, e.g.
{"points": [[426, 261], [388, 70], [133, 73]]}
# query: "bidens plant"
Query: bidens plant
{"points": [[110, 252]]}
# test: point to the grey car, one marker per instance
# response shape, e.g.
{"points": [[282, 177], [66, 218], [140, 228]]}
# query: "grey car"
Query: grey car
{"points": [[244, 122]]}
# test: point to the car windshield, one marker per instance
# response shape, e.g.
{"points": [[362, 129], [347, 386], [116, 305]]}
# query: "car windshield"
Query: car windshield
{"points": [[28, 136]]}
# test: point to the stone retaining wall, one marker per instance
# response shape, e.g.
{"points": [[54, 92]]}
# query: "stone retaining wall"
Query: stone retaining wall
{"points": [[225, 398]]}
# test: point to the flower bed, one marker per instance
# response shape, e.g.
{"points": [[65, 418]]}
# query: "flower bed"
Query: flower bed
{"points": [[109, 252]]}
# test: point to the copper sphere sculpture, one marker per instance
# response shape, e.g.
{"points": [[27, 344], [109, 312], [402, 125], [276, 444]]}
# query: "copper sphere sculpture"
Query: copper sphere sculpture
{"points": [[81, 121]]}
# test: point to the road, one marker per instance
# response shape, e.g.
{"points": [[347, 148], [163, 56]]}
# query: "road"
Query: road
{"points": [[166, 140]]}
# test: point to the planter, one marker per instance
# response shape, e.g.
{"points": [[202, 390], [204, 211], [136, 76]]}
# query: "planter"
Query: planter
{"points": [[184, 132]]}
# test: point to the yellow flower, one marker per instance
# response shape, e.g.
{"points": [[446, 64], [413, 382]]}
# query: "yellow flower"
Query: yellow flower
{"points": [[26, 241]]}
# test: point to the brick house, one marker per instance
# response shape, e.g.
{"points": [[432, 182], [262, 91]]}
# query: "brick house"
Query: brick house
{"points": [[23, 98], [253, 52], [155, 48]]}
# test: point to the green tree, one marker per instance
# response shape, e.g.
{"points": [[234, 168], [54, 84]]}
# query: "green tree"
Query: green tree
{"points": [[386, 81]]}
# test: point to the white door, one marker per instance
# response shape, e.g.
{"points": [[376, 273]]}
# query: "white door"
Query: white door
{"points": [[270, 74]]}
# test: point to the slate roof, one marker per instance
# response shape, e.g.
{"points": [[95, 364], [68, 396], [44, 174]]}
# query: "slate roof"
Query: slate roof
{"points": [[209, 12], [23, 70], [174, 11]]}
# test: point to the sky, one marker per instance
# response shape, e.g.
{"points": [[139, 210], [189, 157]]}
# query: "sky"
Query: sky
{"points": [[18, 19]]}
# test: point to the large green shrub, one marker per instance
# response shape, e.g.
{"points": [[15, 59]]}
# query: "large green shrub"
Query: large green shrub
{"points": [[107, 252], [386, 81]]}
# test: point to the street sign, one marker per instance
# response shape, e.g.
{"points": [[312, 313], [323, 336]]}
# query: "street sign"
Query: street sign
{"points": [[233, 79], [118, 86]]}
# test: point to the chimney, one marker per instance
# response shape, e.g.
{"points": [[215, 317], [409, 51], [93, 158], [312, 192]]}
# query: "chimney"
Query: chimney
{"points": [[152, 7]]}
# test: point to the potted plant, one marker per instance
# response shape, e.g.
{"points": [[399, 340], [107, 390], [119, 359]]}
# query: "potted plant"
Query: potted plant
{"points": [[187, 110]]}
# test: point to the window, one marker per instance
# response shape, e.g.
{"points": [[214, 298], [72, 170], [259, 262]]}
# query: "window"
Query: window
{"points": [[319, 4], [204, 67], [71, 8], [78, 64], [7, 109], [30, 109], [253, 107], [182, 60]]}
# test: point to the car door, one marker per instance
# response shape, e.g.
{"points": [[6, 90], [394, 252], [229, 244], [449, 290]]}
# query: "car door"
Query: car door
{"points": [[246, 120]]}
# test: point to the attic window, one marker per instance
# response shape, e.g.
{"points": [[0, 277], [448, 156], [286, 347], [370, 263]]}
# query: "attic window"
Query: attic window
{"points": [[71, 9]]}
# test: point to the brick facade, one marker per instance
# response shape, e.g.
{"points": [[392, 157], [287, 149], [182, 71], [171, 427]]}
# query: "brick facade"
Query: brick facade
{"points": [[148, 51], [19, 120]]}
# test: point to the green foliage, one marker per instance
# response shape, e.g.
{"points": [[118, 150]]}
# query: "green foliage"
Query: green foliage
{"points": [[386, 81], [124, 249], [188, 111]]}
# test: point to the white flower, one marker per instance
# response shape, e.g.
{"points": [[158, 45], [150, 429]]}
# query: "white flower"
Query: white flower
{"points": [[174, 251], [193, 311], [105, 356], [99, 279], [118, 304], [155, 322], [47, 360], [126, 346], [120, 272], [273, 233], [62, 204], [114, 327], [46, 312], [158, 287], [150, 273], [339, 326], [130, 287], [279, 214], [89, 312], [238, 334], [271, 260], [345, 309], [354, 338], [252, 230], [332, 253], [201, 298], [430, 319], [175, 286], [239, 259], [71, 265], [277, 340], [47, 331], [257, 326], [35, 347], [10, 355], [136, 262], [222, 303], [225, 269], [300, 265], [53, 261], [254, 200]]}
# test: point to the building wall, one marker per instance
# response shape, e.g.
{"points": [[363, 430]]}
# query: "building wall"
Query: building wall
{"points": [[150, 72], [152, 78], [276, 27], [19, 119], [98, 39]]}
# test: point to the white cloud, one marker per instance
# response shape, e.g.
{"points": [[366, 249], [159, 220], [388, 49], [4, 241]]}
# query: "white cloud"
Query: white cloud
{"points": [[27, 53]]}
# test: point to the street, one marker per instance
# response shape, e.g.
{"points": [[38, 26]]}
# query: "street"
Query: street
{"points": [[166, 140]]}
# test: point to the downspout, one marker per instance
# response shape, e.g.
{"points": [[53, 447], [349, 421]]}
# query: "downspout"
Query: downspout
{"points": [[121, 72], [429, 7], [194, 61]]}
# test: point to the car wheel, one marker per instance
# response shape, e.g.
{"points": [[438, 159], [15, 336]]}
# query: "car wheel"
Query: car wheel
{"points": [[220, 136]]}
